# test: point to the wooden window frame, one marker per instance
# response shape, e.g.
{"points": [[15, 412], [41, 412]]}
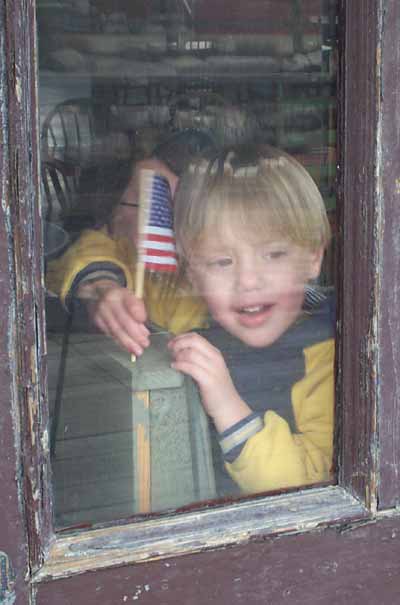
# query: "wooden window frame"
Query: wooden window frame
{"points": [[364, 343]]}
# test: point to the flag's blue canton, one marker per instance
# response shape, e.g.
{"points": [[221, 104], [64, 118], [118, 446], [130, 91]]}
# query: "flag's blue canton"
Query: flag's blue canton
{"points": [[160, 210]]}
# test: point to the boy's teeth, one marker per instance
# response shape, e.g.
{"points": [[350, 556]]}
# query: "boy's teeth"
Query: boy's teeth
{"points": [[251, 309]]}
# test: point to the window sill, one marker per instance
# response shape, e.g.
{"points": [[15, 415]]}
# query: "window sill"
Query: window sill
{"points": [[201, 530]]}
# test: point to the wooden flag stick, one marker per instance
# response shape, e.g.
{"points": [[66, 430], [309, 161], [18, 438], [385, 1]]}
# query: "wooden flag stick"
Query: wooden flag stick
{"points": [[145, 184], [139, 278], [141, 401]]}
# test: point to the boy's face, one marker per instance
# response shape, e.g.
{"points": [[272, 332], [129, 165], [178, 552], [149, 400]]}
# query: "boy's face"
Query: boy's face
{"points": [[253, 285]]}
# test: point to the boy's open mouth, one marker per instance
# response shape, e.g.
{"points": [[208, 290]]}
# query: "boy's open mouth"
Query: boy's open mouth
{"points": [[254, 310], [254, 315]]}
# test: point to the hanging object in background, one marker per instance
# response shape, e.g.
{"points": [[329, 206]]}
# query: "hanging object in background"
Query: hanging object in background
{"points": [[230, 125]]}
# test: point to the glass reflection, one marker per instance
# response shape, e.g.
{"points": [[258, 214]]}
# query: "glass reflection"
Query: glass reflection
{"points": [[220, 105]]}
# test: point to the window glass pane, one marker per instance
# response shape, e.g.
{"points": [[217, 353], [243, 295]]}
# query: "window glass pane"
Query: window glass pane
{"points": [[204, 113]]}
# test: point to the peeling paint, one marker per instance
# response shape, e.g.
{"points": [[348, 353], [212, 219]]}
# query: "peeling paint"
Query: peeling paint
{"points": [[171, 537], [45, 441], [7, 579], [9, 599], [138, 592], [32, 411]]}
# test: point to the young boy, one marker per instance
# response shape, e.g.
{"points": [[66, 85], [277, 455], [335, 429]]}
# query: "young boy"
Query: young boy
{"points": [[251, 232]]}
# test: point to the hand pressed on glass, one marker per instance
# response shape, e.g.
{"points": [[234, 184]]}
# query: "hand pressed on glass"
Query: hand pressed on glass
{"points": [[195, 356]]}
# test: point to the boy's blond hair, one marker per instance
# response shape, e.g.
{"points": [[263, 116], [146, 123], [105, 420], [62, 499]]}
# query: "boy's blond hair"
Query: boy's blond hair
{"points": [[258, 187]]}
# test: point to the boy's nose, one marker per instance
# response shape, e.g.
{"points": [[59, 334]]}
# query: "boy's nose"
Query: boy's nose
{"points": [[249, 276]]}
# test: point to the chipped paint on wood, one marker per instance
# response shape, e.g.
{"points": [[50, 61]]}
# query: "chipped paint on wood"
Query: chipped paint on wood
{"points": [[21, 256], [198, 531], [389, 263], [12, 519], [357, 567], [357, 203]]}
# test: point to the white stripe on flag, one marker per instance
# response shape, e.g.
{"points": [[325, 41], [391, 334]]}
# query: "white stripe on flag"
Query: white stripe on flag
{"points": [[158, 231], [160, 260], [158, 245]]}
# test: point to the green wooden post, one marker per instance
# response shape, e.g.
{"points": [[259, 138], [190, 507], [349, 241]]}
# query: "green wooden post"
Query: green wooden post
{"points": [[173, 423]]}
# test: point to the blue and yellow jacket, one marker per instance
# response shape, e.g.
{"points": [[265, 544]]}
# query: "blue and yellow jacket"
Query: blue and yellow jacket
{"points": [[288, 439]]}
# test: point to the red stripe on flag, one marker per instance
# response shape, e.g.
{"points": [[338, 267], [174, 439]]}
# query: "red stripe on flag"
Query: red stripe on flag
{"points": [[164, 267], [154, 252], [155, 237]]}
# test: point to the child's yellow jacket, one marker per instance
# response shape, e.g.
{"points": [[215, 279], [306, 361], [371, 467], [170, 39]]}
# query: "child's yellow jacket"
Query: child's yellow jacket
{"points": [[271, 449], [168, 301]]}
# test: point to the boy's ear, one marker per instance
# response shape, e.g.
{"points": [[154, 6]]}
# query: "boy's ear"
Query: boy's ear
{"points": [[316, 257]]}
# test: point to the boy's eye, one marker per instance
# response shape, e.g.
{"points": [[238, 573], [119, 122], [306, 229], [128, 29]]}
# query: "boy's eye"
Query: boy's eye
{"points": [[275, 254], [220, 262]]}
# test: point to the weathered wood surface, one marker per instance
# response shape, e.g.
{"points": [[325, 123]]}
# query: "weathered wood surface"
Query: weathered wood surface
{"points": [[21, 336], [389, 266], [195, 531], [357, 566], [357, 242], [13, 547]]}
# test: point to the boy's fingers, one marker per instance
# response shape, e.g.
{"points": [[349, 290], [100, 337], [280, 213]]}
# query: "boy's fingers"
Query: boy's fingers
{"points": [[199, 365], [135, 307], [195, 342], [186, 340], [134, 332], [98, 321], [123, 329], [194, 356], [120, 316], [129, 344], [196, 372]]}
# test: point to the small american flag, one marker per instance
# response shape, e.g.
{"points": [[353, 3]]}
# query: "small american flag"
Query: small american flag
{"points": [[158, 251]]}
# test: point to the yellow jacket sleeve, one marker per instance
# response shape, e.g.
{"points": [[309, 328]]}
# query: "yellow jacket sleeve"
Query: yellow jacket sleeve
{"points": [[275, 457], [92, 247], [168, 301]]}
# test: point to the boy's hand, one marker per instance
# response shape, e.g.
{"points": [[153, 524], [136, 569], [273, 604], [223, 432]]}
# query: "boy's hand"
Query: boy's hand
{"points": [[117, 312], [195, 356]]}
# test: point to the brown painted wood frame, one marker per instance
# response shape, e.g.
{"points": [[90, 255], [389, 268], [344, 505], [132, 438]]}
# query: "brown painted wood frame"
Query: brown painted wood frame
{"points": [[362, 307], [357, 245], [23, 346], [388, 325], [339, 566], [12, 515]]}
